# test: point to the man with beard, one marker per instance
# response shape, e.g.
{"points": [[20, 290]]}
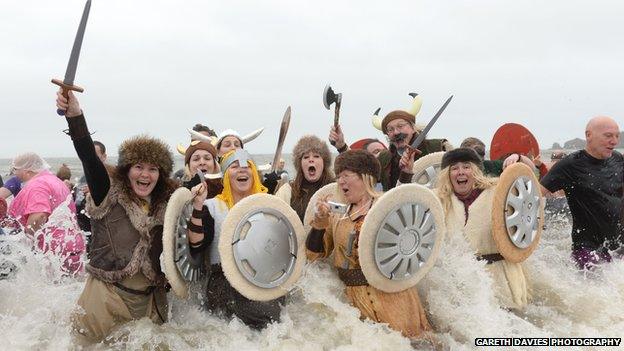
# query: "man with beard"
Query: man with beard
{"points": [[401, 130], [312, 161]]}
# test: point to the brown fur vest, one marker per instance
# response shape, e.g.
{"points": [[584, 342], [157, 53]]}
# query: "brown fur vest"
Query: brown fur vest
{"points": [[124, 240]]}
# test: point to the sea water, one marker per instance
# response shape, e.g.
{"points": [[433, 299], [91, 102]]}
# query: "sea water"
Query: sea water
{"points": [[36, 302]]}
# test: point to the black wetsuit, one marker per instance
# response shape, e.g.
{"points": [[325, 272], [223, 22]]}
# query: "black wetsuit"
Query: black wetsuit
{"points": [[593, 188]]}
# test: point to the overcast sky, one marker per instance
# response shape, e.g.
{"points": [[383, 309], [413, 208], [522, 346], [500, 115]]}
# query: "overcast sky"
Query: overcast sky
{"points": [[159, 67]]}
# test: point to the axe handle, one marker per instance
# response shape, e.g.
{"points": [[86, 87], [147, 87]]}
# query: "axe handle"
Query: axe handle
{"points": [[336, 118], [337, 114], [66, 88]]}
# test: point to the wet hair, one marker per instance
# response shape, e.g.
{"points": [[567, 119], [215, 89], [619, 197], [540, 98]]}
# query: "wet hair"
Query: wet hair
{"points": [[99, 143]]}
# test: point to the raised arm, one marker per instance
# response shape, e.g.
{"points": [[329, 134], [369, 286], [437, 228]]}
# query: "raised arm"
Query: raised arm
{"points": [[94, 170], [336, 138]]}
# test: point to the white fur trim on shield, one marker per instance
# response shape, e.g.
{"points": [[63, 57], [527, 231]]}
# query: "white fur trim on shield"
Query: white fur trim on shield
{"points": [[327, 189], [376, 215], [511, 252], [180, 198], [228, 264], [418, 170]]}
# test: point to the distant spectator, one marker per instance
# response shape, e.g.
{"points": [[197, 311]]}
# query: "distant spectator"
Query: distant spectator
{"points": [[280, 168], [34, 204], [81, 190], [11, 188], [204, 130], [64, 174]]}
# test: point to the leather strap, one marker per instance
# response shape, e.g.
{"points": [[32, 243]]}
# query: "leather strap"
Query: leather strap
{"points": [[198, 214], [352, 277], [194, 227], [149, 290]]}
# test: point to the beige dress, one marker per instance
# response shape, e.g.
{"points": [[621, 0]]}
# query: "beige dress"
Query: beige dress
{"points": [[402, 311], [510, 279]]}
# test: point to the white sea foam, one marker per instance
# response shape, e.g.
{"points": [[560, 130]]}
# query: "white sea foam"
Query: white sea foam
{"points": [[36, 302]]}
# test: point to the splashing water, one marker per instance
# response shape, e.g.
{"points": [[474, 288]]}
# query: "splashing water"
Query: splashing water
{"points": [[37, 300]]}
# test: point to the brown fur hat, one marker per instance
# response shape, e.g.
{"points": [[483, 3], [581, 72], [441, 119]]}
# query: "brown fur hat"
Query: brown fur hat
{"points": [[146, 149], [202, 145], [309, 143], [358, 161], [398, 114]]}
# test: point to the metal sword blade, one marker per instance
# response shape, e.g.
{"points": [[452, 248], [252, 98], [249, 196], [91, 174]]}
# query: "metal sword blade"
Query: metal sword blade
{"points": [[72, 65], [423, 134], [282, 137]]}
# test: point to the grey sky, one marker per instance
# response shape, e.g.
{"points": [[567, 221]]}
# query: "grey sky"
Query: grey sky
{"points": [[160, 66]]}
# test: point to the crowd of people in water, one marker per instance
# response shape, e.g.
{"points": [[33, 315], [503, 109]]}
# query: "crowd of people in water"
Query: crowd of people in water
{"points": [[122, 209]]}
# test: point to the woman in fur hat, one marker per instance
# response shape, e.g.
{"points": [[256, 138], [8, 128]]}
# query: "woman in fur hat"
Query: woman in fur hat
{"points": [[127, 211], [357, 172], [240, 179], [312, 161], [467, 196]]}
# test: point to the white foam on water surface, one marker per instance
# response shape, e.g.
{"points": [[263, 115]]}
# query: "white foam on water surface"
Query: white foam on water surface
{"points": [[37, 301]]}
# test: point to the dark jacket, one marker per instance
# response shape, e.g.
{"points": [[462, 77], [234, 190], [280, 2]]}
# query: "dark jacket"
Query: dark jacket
{"points": [[389, 160]]}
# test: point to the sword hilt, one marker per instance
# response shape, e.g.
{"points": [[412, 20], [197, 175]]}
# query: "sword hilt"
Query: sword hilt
{"points": [[66, 88]]}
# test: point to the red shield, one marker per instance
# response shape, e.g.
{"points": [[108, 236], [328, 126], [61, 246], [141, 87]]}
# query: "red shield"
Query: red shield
{"points": [[513, 138]]}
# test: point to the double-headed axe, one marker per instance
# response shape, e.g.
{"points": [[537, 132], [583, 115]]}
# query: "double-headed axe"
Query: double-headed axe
{"points": [[329, 98]]}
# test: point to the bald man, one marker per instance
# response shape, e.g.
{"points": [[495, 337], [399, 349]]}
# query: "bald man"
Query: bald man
{"points": [[592, 181]]}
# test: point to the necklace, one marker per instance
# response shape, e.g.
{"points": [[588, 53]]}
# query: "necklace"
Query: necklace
{"points": [[365, 206]]}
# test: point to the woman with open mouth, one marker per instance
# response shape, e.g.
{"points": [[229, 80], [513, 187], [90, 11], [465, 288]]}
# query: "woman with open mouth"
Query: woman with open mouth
{"points": [[312, 161], [127, 213], [467, 196], [357, 172], [201, 156], [240, 179]]}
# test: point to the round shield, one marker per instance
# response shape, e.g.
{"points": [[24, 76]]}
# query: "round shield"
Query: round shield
{"points": [[180, 267], [401, 237], [513, 138], [328, 189], [262, 247], [517, 213], [426, 169]]}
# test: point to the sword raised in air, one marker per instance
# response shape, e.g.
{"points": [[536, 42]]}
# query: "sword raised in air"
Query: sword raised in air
{"points": [[67, 83], [424, 132]]}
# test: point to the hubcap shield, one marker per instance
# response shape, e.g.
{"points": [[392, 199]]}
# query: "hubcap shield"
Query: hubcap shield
{"points": [[264, 245], [522, 212], [405, 240]]}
